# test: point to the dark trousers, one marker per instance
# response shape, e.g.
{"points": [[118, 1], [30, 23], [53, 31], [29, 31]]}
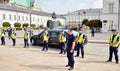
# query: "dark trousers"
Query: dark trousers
{"points": [[2, 40], [70, 57], [115, 51], [45, 46], [14, 42], [80, 46], [26, 44], [62, 46]]}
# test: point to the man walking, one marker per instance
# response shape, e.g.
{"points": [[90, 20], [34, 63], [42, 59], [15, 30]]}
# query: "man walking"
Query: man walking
{"points": [[114, 44], [3, 37], [70, 49], [26, 44]]}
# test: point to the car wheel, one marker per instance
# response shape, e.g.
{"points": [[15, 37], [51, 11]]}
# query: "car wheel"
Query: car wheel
{"points": [[33, 42]]}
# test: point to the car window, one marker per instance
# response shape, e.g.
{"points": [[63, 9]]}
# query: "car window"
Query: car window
{"points": [[54, 34]]}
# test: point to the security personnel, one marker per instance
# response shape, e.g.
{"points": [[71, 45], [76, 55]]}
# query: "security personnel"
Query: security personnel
{"points": [[3, 37], [45, 40], [62, 40], [13, 36], [114, 44], [26, 44], [80, 40], [70, 49]]}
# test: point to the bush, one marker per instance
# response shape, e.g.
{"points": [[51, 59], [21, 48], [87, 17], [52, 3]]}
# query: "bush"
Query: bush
{"points": [[17, 24], [48, 23], [94, 23], [85, 21], [33, 25], [59, 23], [18, 29], [25, 25], [6, 24]]}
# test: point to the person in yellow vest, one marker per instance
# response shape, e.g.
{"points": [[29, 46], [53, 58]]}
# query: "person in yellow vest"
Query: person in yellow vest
{"points": [[26, 36], [13, 36], [62, 40], [3, 37], [45, 40], [114, 44], [80, 41]]}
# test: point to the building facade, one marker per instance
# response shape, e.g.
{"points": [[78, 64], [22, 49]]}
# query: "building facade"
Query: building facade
{"points": [[76, 17], [111, 15]]}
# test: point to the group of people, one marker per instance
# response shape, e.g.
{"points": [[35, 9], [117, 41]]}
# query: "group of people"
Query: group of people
{"points": [[68, 44], [12, 36]]}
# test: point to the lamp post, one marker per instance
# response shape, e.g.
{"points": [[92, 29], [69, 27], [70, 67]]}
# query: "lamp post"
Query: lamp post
{"points": [[31, 5], [119, 17]]}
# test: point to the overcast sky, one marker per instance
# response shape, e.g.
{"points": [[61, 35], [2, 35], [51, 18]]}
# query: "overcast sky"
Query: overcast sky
{"points": [[63, 6]]}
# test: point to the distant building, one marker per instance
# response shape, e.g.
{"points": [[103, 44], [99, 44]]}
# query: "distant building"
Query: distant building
{"points": [[75, 18], [19, 11], [111, 15]]}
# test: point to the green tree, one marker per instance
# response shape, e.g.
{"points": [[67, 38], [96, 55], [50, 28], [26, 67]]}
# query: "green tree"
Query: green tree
{"points": [[17, 24], [59, 23], [6, 24], [48, 23], [94, 23], [25, 25], [33, 25], [85, 21]]}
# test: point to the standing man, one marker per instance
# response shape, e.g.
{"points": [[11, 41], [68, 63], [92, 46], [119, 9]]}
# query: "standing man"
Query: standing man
{"points": [[26, 44], [80, 41], [45, 40], [114, 44], [3, 37], [70, 49], [13, 36], [62, 40]]}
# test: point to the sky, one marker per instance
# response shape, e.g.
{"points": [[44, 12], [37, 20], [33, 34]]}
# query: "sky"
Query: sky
{"points": [[64, 6]]}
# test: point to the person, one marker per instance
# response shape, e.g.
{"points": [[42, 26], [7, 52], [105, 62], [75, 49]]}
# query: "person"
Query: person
{"points": [[92, 32], [9, 33], [62, 40], [13, 36], [114, 44], [26, 44], [3, 37], [80, 41], [70, 49], [45, 40]]}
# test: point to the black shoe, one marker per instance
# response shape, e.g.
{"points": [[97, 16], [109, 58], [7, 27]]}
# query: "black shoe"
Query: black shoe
{"points": [[67, 66], [60, 53], [82, 56], [70, 69], [76, 56], [108, 61], [117, 62]]}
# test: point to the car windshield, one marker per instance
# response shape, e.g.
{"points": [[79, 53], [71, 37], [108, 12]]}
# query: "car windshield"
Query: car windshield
{"points": [[53, 34]]}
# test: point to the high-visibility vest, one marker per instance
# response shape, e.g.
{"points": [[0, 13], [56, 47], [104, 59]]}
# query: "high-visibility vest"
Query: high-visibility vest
{"points": [[114, 40], [2, 34], [13, 35], [45, 37], [26, 36], [80, 38], [62, 38]]}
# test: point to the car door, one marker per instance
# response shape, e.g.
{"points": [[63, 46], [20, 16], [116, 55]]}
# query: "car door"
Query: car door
{"points": [[39, 39]]}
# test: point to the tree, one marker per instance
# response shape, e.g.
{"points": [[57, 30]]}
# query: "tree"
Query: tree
{"points": [[6, 24], [59, 23], [48, 23], [85, 21], [94, 23], [33, 25], [17, 24], [25, 25]]}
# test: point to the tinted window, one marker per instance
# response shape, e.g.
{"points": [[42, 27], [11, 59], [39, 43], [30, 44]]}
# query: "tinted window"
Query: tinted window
{"points": [[54, 34]]}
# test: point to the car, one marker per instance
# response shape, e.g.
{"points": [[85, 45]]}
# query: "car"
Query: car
{"points": [[53, 37]]}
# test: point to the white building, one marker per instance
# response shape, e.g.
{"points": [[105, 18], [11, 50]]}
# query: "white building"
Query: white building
{"points": [[76, 17], [110, 15]]}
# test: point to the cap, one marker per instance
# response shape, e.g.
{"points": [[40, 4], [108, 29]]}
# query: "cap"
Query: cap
{"points": [[113, 30], [80, 28], [70, 28]]}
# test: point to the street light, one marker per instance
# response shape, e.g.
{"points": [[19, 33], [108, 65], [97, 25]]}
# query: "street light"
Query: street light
{"points": [[31, 5], [119, 17]]}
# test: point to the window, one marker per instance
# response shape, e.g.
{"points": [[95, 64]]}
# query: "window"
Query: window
{"points": [[22, 18], [19, 18], [10, 17], [14, 17], [111, 7], [38, 19], [26, 18], [33, 18], [3, 16]]}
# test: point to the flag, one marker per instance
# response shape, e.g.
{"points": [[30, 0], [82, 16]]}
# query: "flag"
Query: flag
{"points": [[81, 13], [29, 12]]}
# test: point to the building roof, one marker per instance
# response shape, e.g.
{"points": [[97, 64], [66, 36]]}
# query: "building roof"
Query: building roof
{"points": [[22, 10]]}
